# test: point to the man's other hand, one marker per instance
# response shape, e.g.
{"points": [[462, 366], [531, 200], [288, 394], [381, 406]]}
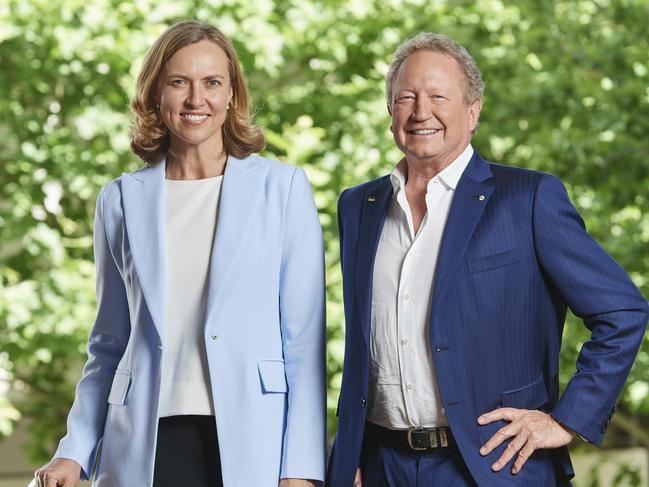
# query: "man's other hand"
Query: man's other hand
{"points": [[358, 480]]}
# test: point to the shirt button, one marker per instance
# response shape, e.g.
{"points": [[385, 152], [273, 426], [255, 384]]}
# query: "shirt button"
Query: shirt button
{"points": [[409, 387], [215, 337], [406, 297], [159, 347], [404, 342]]}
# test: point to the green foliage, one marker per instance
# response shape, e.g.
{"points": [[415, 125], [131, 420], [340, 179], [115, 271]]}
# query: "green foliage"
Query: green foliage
{"points": [[567, 91]]}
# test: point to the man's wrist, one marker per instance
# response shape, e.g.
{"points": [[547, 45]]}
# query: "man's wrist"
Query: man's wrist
{"points": [[572, 432]]}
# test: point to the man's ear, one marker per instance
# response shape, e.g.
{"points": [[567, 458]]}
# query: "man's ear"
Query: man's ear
{"points": [[474, 113]]}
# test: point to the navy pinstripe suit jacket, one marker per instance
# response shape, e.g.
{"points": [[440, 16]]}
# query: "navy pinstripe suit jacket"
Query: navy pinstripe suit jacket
{"points": [[514, 255]]}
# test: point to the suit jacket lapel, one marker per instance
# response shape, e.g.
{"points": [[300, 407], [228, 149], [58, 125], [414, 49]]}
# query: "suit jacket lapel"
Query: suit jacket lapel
{"points": [[241, 191], [471, 197], [143, 200], [375, 208]]}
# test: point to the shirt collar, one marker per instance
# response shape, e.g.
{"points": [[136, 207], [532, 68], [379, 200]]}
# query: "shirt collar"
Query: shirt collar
{"points": [[449, 176]]}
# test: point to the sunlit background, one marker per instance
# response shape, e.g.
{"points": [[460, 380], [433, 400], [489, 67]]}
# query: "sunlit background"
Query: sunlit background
{"points": [[567, 91]]}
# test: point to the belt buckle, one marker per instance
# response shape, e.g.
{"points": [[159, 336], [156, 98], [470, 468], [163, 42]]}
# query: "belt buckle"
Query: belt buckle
{"points": [[443, 439], [410, 442]]}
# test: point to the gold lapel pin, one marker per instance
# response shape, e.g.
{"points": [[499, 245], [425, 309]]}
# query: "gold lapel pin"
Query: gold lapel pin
{"points": [[371, 199]]}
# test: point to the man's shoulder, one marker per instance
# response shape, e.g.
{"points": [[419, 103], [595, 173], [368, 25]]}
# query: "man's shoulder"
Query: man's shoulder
{"points": [[355, 194], [515, 173], [520, 180]]}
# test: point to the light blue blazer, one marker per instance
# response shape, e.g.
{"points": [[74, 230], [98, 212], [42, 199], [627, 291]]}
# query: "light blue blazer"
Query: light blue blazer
{"points": [[264, 330]]}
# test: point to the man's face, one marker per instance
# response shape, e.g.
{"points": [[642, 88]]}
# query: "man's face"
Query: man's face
{"points": [[431, 121]]}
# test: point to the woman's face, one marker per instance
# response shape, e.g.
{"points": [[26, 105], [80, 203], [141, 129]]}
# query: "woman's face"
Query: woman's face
{"points": [[193, 94]]}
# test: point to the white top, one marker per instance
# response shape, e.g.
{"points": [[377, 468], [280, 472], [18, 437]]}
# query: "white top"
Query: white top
{"points": [[190, 221], [403, 390]]}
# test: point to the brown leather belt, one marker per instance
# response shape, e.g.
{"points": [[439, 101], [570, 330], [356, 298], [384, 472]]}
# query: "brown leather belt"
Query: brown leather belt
{"points": [[412, 440]]}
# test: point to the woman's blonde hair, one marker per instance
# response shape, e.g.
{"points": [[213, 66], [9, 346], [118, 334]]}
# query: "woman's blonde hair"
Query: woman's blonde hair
{"points": [[149, 135]]}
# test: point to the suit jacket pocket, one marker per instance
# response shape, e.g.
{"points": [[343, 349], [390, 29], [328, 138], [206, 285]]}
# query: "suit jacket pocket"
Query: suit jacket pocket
{"points": [[272, 376], [487, 262], [531, 396], [119, 388]]}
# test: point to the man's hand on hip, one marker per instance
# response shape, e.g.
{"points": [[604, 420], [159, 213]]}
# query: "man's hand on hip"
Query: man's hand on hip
{"points": [[529, 430]]}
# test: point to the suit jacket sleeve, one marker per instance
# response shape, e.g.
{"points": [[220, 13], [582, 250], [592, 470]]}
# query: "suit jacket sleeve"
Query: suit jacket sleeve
{"points": [[597, 290], [302, 309], [106, 345]]}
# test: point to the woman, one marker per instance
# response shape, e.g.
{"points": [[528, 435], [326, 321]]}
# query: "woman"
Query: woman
{"points": [[206, 361]]}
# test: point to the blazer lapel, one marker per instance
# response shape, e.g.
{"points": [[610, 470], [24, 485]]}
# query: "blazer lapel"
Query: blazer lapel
{"points": [[242, 188], [143, 200], [375, 208], [471, 197]]}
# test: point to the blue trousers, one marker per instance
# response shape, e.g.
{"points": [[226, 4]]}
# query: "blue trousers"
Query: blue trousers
{"points": [[383, 466]]}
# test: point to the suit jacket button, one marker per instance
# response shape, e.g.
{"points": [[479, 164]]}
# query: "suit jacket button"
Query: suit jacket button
{"points": [[363, 402]]}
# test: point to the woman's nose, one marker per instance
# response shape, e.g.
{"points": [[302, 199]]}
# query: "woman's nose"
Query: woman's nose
{"points": [[195, 96]]}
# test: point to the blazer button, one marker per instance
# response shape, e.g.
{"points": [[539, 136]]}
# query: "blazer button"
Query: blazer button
{"points": [[363, 402]]}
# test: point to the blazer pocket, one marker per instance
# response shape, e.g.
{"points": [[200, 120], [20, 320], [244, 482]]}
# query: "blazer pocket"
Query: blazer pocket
{"points": [[492, 261], [272, 376], [531, 396], [119, 388]]}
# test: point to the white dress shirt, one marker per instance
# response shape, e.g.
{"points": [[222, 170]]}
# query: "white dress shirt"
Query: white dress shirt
{"points": [[403, 390], [190, 221]]}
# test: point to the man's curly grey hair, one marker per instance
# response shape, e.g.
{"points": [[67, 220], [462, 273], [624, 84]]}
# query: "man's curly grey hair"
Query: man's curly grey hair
{"points": [[473, 86]]}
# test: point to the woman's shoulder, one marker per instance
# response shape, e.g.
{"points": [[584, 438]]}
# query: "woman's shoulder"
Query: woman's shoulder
{"points": [[276, 172], [110, 190], [273, 166]]}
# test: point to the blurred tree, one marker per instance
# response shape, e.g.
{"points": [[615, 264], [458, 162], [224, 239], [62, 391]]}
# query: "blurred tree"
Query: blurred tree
{"points": [[567, 92]]}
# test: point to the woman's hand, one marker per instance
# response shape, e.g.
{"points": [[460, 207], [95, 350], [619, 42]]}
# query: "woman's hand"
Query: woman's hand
{"points": [[358, 480], [60, 472], [296, 483]]}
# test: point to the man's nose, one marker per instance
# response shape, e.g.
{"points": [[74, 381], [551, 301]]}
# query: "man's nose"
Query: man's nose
{"points": [[423, 108]]}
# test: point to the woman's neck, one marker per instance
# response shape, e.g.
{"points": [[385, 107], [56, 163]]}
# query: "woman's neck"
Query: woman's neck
{"points": [[194, 163]]}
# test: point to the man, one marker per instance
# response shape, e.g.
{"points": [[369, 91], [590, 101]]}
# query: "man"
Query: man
{"points": [[457, 273]]}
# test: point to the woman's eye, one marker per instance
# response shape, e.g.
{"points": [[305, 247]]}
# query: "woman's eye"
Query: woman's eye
{"points": [[214, 82], [177, 82]]}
